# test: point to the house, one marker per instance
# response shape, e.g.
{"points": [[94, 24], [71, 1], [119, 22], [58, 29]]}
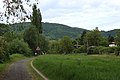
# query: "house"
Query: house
{"points": [[112, 44]]}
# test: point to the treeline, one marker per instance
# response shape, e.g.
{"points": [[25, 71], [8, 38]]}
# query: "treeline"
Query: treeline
{"points": [[57, 31], [26, 42], [90, 42]]}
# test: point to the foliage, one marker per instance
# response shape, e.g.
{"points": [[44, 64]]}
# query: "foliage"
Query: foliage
{"points": [[3, 29], [79, 67], [101, 50], [4, 54], [54, 47], [117, 39], [31, 36], [43, 43], [92, 38], [81, 49], [34, 39], [37, 18], [19, 46], [63, 46], [16, 9], [117, 50], [110, 39], [104, 42], [57, 31], [66, 45], [9, 36]]}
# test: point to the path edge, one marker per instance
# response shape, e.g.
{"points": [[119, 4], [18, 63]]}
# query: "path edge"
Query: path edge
{"points": [[38, 72]]}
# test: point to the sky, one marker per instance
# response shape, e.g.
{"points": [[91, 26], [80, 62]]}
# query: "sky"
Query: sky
{"points": [[86, 14]]}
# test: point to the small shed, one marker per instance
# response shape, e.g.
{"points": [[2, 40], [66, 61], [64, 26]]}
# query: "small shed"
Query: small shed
{"points": [[112, 44], [38, 50]]}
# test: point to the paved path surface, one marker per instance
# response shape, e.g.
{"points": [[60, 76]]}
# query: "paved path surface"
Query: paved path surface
{"points": [[18, 71]]}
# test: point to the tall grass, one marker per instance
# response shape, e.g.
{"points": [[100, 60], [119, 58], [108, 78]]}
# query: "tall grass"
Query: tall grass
{"points": [[79, 67]]}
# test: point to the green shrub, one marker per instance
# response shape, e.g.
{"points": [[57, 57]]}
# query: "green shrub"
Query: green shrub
{"points": [[19, 46], [101, 50], [81, 49], [66, 46], [117, 50], [54, 47], [4, 54]]}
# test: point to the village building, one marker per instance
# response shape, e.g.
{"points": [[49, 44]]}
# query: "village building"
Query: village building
{"points": [[112, 44]]}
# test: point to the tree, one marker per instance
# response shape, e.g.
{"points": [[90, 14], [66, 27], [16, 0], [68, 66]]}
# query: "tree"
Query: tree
{"points": [[104, 42], [4, 54], [9, 36], [20, 47], [92, 38], [54, 47], [17, 9], [117, 39], [34, 39], [3, 29], [82, 38], [66, 45], [31, 36], [37, 18], [110, 39]]}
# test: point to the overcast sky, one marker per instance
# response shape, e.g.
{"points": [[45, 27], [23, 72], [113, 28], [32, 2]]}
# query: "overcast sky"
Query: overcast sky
{"points": [[86, 14]]}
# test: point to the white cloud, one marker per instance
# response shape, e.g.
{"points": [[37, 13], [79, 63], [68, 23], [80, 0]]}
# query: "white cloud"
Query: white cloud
{"points": [[82, 13]]}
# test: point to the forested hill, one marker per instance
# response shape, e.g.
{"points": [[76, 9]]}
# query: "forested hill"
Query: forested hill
{"points": [[51, 30], [54, 30]]}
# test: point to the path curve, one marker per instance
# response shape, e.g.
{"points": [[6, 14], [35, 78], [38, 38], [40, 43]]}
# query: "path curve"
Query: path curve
{"points": [[18, 71], [44, 77]]}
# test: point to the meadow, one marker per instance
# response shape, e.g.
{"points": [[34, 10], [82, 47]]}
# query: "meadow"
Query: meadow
{"points": [[79, 67]]}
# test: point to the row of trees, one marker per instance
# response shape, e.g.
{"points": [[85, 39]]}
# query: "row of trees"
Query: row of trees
{"points": [[25, 42], [62, 46], [94, 40], [91, 42]]}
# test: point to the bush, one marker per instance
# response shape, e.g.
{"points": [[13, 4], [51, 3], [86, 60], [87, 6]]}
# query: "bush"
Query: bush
{"points": [[4, 54], [19, 46], [54, 47], [66, 46], [81, 49], [92, 50], [117, 50], [101, 50]]}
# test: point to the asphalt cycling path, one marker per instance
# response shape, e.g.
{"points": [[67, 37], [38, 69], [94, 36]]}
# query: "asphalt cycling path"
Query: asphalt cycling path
{"points": [[18, 71]]}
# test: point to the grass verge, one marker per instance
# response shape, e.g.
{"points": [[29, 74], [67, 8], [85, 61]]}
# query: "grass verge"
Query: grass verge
{"points": [[35, 75], [13, 58], [79, 67]]}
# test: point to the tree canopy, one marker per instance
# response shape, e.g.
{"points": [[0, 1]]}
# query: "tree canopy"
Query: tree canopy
{"points": [[37, 18], [92, 38], [16, 9]]}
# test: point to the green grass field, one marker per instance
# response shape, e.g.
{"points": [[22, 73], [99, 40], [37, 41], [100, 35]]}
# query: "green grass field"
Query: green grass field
{"points": [[13, 58], [79, 67]]}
